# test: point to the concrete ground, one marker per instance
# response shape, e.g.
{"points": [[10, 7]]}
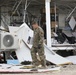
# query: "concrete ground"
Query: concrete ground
{"points": [[65, 70]]}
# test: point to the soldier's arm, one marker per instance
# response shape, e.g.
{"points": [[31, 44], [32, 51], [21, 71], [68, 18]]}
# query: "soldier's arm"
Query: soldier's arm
{"points": [[41, 34]]}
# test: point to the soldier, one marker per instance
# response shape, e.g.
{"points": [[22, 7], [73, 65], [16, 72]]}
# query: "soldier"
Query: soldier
{"points": [[38, 47]]}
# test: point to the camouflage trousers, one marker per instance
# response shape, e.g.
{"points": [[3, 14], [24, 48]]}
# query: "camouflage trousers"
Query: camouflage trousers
{"points": [[40, 52]]}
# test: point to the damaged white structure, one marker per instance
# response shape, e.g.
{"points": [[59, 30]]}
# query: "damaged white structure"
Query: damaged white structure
{"points": [[23, 32], [23, 53]]}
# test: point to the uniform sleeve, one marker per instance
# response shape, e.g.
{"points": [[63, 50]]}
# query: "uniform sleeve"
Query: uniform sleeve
{"points": [[41, 34]]}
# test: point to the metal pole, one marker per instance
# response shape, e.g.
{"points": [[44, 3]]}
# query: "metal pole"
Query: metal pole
{"points": [[48, 22], [14, 6], [0, 16], [55, 17], [71, 13], [26, 5], [17, 7], [25, 11]]}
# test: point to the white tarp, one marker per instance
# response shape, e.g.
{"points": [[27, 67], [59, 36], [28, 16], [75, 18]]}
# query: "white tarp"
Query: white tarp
{"points": [[72, 58]]}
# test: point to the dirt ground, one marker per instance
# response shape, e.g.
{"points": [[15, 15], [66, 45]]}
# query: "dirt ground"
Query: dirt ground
{"points": [[65, 70]]}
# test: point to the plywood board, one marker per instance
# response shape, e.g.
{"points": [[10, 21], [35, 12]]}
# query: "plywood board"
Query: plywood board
{"points": [[5, 68]]}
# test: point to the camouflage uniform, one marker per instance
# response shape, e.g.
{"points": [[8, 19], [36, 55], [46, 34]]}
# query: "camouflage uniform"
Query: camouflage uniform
{"points": [[38, 47]]}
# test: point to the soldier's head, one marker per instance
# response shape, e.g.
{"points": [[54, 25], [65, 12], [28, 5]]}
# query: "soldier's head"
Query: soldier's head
{"points": [[34, 24]]}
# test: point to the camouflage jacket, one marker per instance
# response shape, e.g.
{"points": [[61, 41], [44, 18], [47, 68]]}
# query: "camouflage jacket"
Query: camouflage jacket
{"points": [[38, 37]]}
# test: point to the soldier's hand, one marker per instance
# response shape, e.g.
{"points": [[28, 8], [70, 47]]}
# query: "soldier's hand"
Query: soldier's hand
{"points": [[39, 46]]}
